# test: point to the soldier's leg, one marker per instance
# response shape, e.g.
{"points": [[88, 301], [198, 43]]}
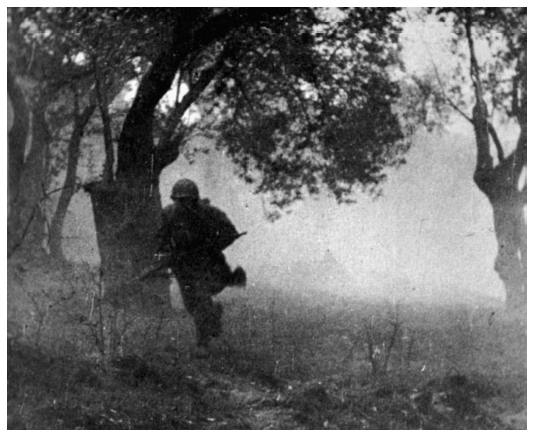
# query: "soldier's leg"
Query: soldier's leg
{"points": [[215, 321], [208, 322], [206, 314], [209, 312]]}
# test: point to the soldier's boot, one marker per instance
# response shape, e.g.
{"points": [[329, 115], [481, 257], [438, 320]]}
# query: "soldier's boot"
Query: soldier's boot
{"points": [[203, 337], [239, 277], [209, 324]]}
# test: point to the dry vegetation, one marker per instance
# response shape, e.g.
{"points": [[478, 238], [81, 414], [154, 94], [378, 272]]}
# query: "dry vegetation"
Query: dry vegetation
{"points": [[284, 362]]}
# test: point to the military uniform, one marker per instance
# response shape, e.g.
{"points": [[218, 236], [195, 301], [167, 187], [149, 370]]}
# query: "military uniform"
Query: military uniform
{"points": [[196, 233]]}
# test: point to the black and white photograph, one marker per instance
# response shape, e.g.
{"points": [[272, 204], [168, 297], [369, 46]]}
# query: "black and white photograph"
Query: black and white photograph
{"points": [[266, 218]]}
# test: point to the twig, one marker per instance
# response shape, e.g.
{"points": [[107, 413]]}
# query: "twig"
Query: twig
{"points": [[101, 343], [46, 195], [370, 348], [442, 87], [24, 233], [396, 327]]}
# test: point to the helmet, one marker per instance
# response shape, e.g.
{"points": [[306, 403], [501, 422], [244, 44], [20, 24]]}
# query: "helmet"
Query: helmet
{"points": [[185, 188]]}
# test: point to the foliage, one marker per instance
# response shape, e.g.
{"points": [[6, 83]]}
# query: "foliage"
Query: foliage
{"points": [[288, 99], [312, 106]]}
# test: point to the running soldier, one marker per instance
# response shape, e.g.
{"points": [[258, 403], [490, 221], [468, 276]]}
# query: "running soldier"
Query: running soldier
{"points": [[195, 234]]}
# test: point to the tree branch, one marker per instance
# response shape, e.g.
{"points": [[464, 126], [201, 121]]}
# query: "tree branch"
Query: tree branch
{"points": [[480, 110], [448, 99], [69, 187], [136, 141], [102, 98], [17, 135], [24, 232], [442, 87], [497, 142], [195, 90], [168, 148], [169, 152]]}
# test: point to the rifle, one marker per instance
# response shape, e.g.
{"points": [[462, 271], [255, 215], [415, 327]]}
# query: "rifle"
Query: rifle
{"points": [[164, 261]]}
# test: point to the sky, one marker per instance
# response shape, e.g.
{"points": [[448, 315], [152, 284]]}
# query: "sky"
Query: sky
{"points": [[430, 234]]}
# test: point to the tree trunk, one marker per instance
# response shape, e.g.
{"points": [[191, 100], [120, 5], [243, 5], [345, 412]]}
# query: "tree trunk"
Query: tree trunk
{"points": [[501, 182], [127, 207], [69, 185], [17, 139], [27, 218], [101, 96], [126, 219], [511, 232], [17, 136], [501, 187]]}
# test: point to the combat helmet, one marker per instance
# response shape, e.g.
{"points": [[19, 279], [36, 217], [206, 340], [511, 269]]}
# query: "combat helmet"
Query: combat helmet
{"points": [[185, 188]]}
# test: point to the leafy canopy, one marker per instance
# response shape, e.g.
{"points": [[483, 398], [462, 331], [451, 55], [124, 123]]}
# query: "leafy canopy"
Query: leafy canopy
{"points": [[311, 106], [302, 100]]}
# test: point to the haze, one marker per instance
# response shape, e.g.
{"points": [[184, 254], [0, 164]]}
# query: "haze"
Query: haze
{"points": [[430, 235]]}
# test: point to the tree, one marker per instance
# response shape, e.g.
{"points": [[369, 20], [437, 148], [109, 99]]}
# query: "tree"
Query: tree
{"points": [[30, 134], [302, 99], [17, 135], [80, 120], [66, 88], [25, 169], [37, 78], [17, 138], [499, 91], [312, 108]]}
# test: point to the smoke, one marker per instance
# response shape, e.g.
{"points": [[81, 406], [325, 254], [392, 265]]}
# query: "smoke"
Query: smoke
{"points": [[430, 236]]}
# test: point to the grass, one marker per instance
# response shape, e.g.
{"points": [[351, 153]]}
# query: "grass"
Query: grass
{"points": [[284, 362]]}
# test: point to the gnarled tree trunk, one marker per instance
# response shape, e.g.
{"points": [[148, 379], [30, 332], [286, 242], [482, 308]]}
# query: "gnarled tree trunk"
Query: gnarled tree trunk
{"points": [[126, 217], [27, 173], [17, 139], [501, 186], [127, 206], [69, 185], [502, 182]]}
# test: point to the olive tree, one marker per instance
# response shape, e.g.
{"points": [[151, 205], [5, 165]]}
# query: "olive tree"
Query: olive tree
{"points": [[498, 94]]}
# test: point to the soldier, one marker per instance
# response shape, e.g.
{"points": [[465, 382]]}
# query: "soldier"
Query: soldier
{"points": [[196, 233]]}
